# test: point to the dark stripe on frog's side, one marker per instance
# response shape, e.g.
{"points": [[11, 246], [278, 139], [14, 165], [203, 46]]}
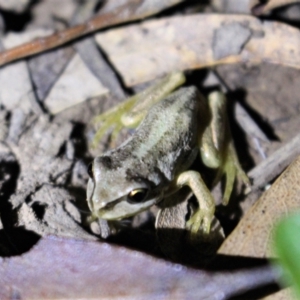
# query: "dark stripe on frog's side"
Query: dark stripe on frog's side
{"points": [[108, 163], [133, 175]]}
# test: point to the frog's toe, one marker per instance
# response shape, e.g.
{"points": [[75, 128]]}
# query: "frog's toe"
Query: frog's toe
{"points": [[244, 177], [200, 221], [98, 136], [108, 123], [230, 173], [115, 134], [232, 170], [112, 119], [91, 218]]}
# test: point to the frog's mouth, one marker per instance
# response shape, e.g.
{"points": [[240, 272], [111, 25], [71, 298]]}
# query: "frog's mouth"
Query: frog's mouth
{"points": [[120, 209]]}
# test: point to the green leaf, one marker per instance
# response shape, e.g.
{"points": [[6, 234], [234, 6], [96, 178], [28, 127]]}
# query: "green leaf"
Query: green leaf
{"points": [[287, 247]]}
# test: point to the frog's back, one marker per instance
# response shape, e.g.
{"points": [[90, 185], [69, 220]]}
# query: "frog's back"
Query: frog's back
{"points": [[166, 140], [172, 122]]}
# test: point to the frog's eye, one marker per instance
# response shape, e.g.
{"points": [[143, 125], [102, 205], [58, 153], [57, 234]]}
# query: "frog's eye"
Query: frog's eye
{"points": [[137, 195], [90, 170]]}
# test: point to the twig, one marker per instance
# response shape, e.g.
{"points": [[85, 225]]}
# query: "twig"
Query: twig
{"points": [[112, 14]]}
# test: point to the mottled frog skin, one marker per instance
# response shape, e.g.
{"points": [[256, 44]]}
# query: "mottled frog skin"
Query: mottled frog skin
{"points": [[154, 162]]}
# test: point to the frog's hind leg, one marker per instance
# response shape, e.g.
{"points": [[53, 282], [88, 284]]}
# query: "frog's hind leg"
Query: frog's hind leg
{"points": [[131, 112], [217, 141], [229, 162]]}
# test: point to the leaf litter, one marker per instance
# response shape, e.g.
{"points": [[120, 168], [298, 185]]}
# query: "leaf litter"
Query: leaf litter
{"points": [[48, 101]]}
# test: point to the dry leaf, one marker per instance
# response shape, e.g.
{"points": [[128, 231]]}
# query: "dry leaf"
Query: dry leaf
{"points": [[14, 5], [252, 236], [69, 90], [285, 294], [66, 268], [180, 44]]}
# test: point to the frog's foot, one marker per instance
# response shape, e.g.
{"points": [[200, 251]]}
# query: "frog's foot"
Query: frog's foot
{"points": [[202, 218], [232, 169], [90, 219], [104, 228], [112, 119], [200, 221]]}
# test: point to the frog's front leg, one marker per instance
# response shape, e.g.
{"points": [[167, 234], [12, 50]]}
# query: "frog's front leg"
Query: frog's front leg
{"points": [[217, 149], [203, 217]]}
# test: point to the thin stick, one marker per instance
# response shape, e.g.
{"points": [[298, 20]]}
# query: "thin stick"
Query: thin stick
{"points": [[132, 10]]}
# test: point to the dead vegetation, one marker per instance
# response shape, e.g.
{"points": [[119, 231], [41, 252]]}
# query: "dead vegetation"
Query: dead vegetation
{"points": [[250, 50]]}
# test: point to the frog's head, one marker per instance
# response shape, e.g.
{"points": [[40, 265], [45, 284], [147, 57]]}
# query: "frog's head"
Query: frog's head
{"points": [[114, 193]]}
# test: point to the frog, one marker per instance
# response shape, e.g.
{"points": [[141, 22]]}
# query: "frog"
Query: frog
{"points": [[173, 125]]}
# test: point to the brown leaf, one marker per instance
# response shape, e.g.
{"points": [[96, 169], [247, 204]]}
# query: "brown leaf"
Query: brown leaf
{"points": [[252, 237], [182, 43], [285, 294]]}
